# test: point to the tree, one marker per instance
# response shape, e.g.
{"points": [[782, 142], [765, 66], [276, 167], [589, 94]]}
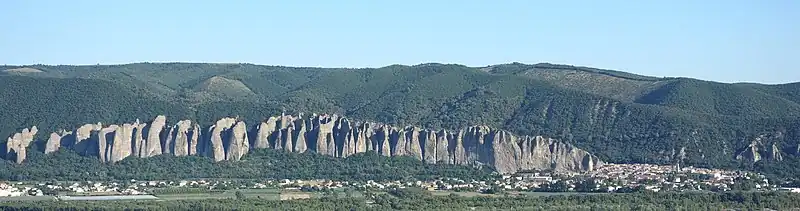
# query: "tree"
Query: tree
{"points": [[240, 195]]}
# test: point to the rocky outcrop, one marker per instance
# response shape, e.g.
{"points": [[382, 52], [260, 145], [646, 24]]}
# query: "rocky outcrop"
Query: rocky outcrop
{"points": [[299, 132], [194, 140], [82, 143], [336, 136], [321, 134], [16, 145], [137, 144], [237, 143], [105, 138], [182, 139], [332, 135], [764, 146], [775, 153], [153, 133], [54, 142], [263, 133], [120, 147], [215, 149]]}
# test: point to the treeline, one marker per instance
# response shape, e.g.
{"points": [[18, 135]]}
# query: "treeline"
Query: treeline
{"points": [[66, 165], [409, 199]]}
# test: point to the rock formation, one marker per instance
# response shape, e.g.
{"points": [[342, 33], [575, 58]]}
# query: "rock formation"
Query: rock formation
{"points": [[194, 140], [181, 139], [54, 142], [16, 144], [81, 142], [764, 146], [332, 135], [215, 148], [105, 139], [120, 147], [152, 132], [237, 143]]}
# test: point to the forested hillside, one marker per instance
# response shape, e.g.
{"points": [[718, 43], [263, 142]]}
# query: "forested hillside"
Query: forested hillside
{"points": [[618, 116]]}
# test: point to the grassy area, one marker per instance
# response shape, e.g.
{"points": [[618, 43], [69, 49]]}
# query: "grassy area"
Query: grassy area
{"points": [[27, 198], [272, 194], [465, 194]]}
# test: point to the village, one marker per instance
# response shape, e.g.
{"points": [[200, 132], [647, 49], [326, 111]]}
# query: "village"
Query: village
{"points": [[611, 178]]}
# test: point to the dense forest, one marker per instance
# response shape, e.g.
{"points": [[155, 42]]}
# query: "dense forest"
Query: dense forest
{"points": [[415, 199], [618, 116]]}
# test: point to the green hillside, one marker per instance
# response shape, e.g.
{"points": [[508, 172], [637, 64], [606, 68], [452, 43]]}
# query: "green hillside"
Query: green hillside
{"points": [[620, 117]]}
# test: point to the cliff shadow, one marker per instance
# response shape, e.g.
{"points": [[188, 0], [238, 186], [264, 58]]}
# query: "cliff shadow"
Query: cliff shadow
{"points": [[252, 135], [170, 143], [163, 139], [394, 138], [311, 139], [227, 137], [10, 154], [88, 146], [4, 149], [38, 145], [298, 136], [109, 145], [204, 143], [136, 142], [274, 139], [67, 140]]}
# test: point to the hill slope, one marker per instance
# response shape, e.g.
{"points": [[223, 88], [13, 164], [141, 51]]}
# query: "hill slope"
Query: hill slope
{"points": [[620, 117]]}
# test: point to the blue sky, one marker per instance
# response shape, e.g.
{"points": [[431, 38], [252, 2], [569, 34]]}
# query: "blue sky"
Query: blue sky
{"points": [[721, 40]]}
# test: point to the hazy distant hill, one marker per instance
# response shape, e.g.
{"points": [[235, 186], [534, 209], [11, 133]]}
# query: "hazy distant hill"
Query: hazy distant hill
{"points": [[620, 117]]}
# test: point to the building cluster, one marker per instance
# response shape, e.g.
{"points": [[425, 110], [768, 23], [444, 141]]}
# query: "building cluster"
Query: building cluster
{"points": [[8, 190], [674, 178], [608, 178]]}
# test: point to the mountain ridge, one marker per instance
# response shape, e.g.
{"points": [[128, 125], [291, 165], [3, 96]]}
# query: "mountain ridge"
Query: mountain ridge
{"points": [[610, 72], [620, 117]]}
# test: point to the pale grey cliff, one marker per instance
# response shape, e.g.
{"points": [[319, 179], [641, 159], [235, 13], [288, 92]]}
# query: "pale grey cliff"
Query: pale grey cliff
{"points": [[322, 134], [180, 138], [54, 142], [82, 143], [152, 132], [194, 140], [442, 148], [263, 133], [16, 145], [137, 144], [104, 138], [299, 135], [336, 136], [215, 147], [238, 145], [332, 135], [120, 148], [763, 146]]}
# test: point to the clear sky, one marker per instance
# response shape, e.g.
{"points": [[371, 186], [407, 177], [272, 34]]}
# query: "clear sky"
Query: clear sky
{"points": [[721, 40]]}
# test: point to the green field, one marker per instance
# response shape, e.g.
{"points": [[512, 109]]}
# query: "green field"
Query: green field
{"points": [[27, 198], [272, 194]]}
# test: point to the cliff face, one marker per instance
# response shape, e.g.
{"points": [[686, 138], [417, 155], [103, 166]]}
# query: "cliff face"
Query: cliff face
{"points": [[763, 146], [339, 137], [332, 135], [16, 144]]}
